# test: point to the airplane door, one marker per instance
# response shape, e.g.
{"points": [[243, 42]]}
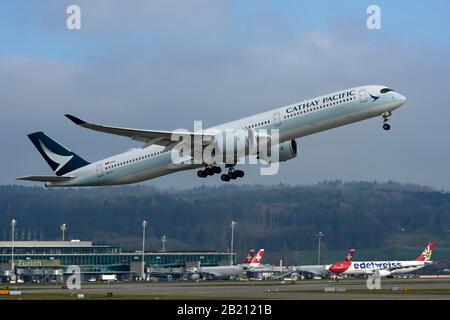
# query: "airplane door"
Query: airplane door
{"points": [[99, 170], [362, 95], [277, 119]]}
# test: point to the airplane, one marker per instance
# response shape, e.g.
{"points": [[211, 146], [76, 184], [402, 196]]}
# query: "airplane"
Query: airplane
{"points": [[155, 158], [226, 272], [385, 268], [320, 270]]}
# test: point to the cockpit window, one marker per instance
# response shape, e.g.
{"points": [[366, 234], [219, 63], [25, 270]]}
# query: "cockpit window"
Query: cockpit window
{"points": [[385, 90]]}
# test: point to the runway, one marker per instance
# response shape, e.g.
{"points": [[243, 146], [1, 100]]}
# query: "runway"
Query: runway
{"points": [[260, 290]]}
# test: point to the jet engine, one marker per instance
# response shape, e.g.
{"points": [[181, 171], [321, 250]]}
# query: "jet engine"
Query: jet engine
{"points": [[195, 276], [286, 151], [384, 273]]}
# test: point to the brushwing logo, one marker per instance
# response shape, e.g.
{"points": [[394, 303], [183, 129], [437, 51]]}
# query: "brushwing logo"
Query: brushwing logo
{"points": [[56, 158], [373, 97]]}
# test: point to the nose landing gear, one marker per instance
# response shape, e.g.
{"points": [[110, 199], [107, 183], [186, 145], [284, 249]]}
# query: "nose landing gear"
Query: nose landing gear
{"points": [[386, 115]]}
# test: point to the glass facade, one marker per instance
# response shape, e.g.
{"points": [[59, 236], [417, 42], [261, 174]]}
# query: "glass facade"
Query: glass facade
{"points": [[102, 258]]}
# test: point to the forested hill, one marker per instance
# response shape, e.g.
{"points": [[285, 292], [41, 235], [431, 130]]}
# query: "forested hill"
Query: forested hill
{"points": [[278, 218]]}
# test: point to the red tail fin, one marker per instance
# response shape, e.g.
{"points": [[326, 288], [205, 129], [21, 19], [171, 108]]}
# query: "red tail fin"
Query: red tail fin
{"points": [[350, 254], [426, 254], [256, 261], [249, 256]]}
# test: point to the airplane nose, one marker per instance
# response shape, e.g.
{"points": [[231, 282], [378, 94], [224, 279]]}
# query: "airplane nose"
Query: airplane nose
{"points": [[400, 98], [335, 268], [340, 267]]}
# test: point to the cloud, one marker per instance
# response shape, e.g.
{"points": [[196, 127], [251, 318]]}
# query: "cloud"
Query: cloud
{"points": [[197, 70]]}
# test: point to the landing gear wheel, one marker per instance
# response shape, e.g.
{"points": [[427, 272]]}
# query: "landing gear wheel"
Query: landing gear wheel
{"points": [[217, 170], [201, 174], [239, 173], [232, 174], [386, 116], [209, 171]]}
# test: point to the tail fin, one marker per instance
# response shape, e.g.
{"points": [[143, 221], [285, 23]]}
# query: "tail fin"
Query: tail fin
{"points": [[256, 261], [59, 158], [248, 258], [350, 254], [426, 254]]}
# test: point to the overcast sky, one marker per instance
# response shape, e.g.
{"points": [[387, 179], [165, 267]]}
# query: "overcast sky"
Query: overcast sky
{"points": [[163, 64]]}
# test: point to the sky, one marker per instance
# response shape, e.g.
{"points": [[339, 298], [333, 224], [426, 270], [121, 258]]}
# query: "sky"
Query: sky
{"points": [[163, 64]]}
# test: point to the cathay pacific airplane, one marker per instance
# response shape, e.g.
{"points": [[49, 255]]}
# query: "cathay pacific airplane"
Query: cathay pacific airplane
{"points": [[155, 158]]}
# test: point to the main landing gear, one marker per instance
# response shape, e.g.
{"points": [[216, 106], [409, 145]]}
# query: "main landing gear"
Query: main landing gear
{"points": [[212, 170], [386, 115], [232, 174], [209, 171]]}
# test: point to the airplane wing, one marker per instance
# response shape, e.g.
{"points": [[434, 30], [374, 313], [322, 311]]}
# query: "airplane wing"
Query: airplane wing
{"points": [[148, 137], [314, 269], [46, 178]]}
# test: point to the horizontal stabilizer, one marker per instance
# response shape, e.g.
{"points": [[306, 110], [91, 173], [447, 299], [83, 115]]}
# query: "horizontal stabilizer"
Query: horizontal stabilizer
{"points": [[46, 178]]}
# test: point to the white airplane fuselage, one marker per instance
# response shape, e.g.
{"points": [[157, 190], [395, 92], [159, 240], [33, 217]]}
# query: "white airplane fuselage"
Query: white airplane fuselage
{"points": [[293, 121], [222, 272], [369, 267]]}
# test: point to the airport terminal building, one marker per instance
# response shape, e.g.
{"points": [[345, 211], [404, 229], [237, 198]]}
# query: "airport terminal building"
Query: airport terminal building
{"points": [[49, 261]]}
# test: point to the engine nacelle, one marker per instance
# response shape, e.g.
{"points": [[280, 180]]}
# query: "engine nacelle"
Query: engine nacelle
{"points": [[195, 276], [384, 273], [286, 151]]}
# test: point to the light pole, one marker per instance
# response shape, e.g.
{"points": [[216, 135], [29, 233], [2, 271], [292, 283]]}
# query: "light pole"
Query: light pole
{"points": [[233, 224], [319, 235], [163, 239], [144, 225], [13, 226], [63, 229]]}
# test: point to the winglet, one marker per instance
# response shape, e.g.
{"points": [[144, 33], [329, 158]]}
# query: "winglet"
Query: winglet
{"points": [[75, 120]]}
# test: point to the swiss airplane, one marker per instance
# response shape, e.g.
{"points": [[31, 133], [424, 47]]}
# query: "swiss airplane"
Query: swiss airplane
{"points": [[385, 268], [225, 272], [155, 158]]}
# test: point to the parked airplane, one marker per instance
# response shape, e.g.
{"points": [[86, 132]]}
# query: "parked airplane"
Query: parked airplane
{"points": [[320, 270], [154, 159], [226, 272], [386, 268], [248, 258]]}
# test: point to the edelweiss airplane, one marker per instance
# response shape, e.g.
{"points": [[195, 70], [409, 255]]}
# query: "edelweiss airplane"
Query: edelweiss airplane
{"points": [[386, 268], [154, 158], [225, 272]]}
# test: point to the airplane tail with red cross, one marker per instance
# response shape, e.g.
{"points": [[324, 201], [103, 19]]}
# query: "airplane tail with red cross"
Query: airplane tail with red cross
{"points": [[248, 258], [256, 260], [350, 255]]}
